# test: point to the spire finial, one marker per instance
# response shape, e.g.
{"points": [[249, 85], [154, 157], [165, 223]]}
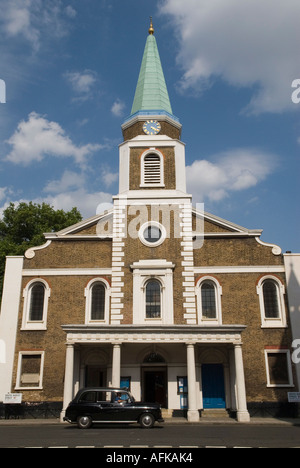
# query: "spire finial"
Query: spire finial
{"points": [[151, 29]]}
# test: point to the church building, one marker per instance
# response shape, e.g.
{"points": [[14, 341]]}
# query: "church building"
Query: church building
{"points": [[182, 307]]}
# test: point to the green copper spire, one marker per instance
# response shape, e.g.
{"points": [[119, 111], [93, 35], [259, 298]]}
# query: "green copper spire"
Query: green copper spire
{"points": [[151, 91]]}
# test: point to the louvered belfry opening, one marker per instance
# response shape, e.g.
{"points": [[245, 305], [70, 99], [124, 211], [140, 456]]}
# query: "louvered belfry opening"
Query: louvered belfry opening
{"points": [[152, 169]]}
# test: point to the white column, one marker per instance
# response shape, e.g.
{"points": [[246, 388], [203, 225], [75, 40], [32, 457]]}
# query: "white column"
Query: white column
{"points": [[193, 413], [242, 411], [69, 371], [233, 406], [116, 365]]}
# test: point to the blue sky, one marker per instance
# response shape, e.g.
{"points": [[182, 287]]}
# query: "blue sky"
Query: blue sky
{"points": [[71, 68]]}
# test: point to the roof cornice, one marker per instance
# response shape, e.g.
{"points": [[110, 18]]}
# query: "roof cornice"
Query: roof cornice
{"points": [[155, 115]]}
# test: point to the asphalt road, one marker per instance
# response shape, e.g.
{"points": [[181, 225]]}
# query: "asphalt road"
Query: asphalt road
{"points": [[168, 436]]}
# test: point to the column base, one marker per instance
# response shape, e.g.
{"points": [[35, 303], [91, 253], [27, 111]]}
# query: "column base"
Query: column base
{"points": [[193, 416], [243, 416]]}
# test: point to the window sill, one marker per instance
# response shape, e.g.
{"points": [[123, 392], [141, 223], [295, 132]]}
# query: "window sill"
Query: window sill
{"points": [[97, 323], [34, 327], [280, 386], [274, 325], [152, 185], [28, 388]]}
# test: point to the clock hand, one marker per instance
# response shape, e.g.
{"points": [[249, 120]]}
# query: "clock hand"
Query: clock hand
{"points": [[153, 128]]}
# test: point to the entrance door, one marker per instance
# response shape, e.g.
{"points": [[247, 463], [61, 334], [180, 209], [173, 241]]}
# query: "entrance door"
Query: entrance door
{"points": [[155, 386], [94, 377], [213, 386]]}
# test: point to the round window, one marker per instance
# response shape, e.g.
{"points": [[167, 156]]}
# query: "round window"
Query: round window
{"points": [[152, 234]]}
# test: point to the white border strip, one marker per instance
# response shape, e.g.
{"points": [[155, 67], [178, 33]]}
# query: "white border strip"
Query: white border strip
{"points": [[240, 269], [68, 272]]}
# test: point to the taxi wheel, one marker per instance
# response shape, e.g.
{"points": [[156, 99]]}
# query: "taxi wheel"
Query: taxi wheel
{"points": [[147, 421], [84, 422]]}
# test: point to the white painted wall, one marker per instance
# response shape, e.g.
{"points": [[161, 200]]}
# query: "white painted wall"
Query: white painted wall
{"points": [[292, 266], [9, 320]]}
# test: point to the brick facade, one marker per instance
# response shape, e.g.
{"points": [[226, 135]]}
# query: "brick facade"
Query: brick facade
{"points": [[240, 303], [211, 312]]}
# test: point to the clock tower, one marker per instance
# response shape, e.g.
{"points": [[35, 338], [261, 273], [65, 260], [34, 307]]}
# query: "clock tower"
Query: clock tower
{"points": [[152, 224]]}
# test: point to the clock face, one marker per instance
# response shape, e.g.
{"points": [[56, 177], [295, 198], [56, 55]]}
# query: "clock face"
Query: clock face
{"points": [[152, 127]]}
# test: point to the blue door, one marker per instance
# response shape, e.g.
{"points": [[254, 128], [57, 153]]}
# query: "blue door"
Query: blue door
{"points": [[213, 386]]}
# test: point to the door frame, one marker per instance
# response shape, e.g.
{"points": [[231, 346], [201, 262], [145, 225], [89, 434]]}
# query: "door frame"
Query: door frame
{"points": [[99, 369], [222, 390], [154, 368]]}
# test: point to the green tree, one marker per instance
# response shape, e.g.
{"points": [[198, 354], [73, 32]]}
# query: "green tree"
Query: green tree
{"points": [[23, 226]]}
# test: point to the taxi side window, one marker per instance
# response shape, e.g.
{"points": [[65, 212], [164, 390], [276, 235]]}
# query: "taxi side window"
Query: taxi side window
{"points": [[101, 397], [88, 397]]}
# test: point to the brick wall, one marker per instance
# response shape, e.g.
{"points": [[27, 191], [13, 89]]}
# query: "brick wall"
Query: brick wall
{"points": [[137, 129], [135, 168], [240, 303], [73, 254]]}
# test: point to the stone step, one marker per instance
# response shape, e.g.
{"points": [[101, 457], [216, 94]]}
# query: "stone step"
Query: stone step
{"points": [[206, 414], [167, 413], [215, 413]]}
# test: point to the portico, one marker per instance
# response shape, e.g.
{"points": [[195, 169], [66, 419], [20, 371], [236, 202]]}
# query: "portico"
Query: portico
{"points": [[169, 354]]}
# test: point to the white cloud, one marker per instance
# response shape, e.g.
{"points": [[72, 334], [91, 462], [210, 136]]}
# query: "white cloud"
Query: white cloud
{"points": [[82, 83], [109, 177], [3, 193], [17, 20], [118, 108], [69, 180], [38, 137], [71, 190], [231, 171], [35, 20], [249, 43], [85, 201], [70, 11]]}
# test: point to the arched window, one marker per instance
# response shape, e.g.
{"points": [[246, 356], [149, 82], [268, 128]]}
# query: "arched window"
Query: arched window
{"points": [[153, 290], [97, 295], [153, 299], [208, 300], [270, 293], [271, 298], [154, 358], [37, 300], [98, 301], [152, 169], [209, 293]]}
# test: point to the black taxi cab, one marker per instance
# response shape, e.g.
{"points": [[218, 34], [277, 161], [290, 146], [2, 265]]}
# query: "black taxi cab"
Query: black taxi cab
{"points": [[110, 405]]}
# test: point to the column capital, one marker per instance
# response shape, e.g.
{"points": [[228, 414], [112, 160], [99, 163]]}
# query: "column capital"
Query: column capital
{"points": [[190, 344], [70, 345], [238, 345]]}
